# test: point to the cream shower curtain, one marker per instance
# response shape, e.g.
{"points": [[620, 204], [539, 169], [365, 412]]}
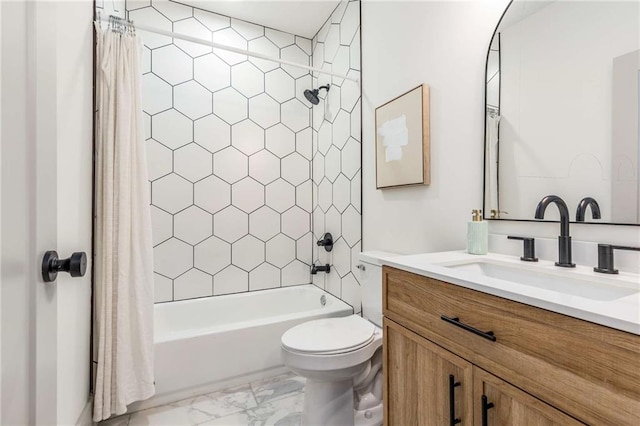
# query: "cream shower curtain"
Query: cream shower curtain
{"points": [[491, 167], [123, 245]]}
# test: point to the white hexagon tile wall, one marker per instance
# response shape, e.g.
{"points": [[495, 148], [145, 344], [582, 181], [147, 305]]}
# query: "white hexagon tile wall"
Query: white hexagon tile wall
{"points": [[232, 146], [336, 152]]}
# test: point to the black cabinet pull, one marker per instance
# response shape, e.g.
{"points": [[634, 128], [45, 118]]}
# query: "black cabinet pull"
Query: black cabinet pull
{"points": [[486, 405], [456, 321], [452, 401]]}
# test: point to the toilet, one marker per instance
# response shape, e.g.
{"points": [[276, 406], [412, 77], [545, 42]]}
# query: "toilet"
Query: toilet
{"points": [[341, 358]]}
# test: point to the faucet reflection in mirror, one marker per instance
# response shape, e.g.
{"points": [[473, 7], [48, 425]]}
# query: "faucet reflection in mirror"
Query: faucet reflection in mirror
{"points": [[568, 113], [582, 209]]}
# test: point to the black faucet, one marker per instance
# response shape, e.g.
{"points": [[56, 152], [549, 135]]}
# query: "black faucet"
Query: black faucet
{"points": [[320, 268], [582, 209], [564, 240]]}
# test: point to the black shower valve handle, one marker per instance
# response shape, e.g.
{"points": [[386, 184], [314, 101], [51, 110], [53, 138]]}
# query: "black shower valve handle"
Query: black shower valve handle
{"points": [[326, 241]]}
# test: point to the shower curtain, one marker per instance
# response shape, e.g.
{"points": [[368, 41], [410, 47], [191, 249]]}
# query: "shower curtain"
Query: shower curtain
{"points": [[123, 246], [491, 167]]}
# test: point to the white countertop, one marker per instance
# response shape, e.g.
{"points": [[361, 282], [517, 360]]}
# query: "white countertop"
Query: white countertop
{"points": [[620, 313]]}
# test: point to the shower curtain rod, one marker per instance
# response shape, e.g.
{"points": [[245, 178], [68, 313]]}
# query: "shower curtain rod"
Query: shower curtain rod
{"points": [[235, 50]]}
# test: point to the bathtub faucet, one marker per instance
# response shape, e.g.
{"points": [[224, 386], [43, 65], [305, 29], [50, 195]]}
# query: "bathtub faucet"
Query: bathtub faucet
{"points": [[319, 268]]}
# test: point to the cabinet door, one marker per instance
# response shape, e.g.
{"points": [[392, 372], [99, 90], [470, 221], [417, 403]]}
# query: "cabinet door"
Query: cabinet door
{"points": [[425, 385], [497, 403]]}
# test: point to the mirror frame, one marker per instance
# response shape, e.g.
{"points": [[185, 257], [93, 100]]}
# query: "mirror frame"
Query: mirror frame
{"points": [[485, 216]]}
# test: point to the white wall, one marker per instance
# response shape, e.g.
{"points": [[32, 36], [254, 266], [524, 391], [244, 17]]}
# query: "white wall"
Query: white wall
{"points": [[74, 74], [442, 44]]}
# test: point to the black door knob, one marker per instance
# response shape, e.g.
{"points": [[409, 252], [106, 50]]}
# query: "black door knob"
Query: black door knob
{"points": [[75, 265]]}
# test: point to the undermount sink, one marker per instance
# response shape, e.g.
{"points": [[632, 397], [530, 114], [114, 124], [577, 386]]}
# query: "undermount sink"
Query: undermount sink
{"points": [[561, 282]]}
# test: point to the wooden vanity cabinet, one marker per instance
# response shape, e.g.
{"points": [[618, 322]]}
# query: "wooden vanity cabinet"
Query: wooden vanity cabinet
{"points": [[427, 385], [499, 403], [413, 401], [515, 364]]}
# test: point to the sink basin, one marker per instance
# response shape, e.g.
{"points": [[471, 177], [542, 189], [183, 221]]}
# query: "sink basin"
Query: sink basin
{"points": [[578, 285]]}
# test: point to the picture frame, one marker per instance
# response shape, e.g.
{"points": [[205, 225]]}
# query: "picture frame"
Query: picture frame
{"points": [[402, 140]]}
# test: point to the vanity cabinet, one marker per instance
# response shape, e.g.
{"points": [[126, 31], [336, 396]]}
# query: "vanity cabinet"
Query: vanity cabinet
{"points": [[430, 386], [412, 401], [535, 366], [499, 403]]}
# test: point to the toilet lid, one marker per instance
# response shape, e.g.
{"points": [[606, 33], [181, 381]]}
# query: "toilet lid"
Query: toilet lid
{"points": [[329, 335]]}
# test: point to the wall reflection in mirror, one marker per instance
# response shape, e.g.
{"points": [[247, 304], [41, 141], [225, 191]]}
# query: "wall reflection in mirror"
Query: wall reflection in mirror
{"points": [[562, 108]]}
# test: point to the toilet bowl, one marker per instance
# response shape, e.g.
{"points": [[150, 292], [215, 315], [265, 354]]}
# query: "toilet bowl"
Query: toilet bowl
{"points": [[341, 358], [334, 355]]}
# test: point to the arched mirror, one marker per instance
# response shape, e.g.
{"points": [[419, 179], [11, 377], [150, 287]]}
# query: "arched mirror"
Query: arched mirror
{"points": [[562, 108]]}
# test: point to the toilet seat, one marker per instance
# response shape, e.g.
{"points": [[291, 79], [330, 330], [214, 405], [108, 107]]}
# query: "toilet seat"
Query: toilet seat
{"points": [[329, 336], [334, 358]]}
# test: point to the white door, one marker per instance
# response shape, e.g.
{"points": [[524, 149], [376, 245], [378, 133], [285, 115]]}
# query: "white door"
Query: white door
{"points": [[45, 201]]}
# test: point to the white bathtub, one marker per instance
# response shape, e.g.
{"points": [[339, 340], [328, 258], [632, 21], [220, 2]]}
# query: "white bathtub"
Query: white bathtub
{"points": [[202, 345]]}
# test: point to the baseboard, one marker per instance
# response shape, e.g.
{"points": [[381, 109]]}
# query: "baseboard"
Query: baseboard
{"points": [[168, 398], [86, 417]]}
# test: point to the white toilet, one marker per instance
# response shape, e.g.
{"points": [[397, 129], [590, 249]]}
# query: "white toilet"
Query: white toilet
{"points": [[341, 358]]}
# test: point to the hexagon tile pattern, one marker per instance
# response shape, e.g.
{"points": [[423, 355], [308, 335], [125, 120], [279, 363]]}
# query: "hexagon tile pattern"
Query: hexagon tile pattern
{"points": [[336, 151], [230, 153]]}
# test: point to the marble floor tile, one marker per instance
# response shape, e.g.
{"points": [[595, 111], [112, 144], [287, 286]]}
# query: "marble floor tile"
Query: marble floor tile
{"points": [[225, 402], [177, 413], [282, 412], [237, 419], [277, 387], [276, 401]]}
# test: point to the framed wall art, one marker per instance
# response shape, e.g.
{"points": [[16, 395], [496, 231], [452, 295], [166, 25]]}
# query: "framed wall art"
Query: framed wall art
{"points": [[402, 140]]}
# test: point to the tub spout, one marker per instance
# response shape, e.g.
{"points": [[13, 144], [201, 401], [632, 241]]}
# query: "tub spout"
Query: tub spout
{"points": [[320, 268]]}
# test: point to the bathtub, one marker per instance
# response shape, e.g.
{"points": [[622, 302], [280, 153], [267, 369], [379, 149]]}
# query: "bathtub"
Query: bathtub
{"points": [[203, 345]]}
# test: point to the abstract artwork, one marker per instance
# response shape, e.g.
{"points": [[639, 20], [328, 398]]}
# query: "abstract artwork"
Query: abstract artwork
{"points": [[402, 140]]}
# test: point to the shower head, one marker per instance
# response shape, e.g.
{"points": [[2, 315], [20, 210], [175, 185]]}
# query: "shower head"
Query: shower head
{"points": [[312, 95]]}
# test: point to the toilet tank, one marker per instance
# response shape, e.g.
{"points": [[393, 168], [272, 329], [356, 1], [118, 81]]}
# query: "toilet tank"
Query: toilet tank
{"points": [[371, 284]]}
